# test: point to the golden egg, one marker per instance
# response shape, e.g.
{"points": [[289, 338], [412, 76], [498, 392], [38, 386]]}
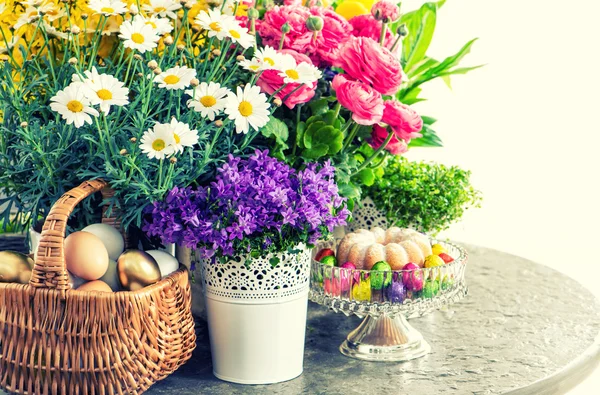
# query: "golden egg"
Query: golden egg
{"points": [[137, 269], [96, 285], [15, 267]]}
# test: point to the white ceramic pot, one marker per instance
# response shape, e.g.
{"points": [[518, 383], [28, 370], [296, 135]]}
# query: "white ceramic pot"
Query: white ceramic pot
{"points": [[367, 216], [257, 317], [189, 258], [34, 240]]}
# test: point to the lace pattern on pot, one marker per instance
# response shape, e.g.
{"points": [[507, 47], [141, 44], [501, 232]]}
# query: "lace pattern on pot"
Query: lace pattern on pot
{"points": [[367, 217], [260, 281]]}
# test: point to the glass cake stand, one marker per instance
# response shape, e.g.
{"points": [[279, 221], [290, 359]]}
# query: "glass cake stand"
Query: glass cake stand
{"points": [[386, 300]]}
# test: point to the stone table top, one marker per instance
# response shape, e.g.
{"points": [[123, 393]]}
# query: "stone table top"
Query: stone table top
{"points": [[522, 329]]}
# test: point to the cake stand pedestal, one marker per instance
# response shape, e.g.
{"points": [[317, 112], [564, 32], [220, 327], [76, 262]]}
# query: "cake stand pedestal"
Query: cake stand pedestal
{"points": [[385, 334]]}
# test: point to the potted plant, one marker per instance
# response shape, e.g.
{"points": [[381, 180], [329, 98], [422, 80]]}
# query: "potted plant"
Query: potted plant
{"points": [[253, 227], [425, 196]]}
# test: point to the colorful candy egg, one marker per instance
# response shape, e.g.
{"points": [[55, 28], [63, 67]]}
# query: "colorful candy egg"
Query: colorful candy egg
{"points": [[346, 276], [412, 277], [328, 260], [381, 275], [446, 258], [362, 291], [438, 249], [396, 292], [431, 288], [323, 253]]}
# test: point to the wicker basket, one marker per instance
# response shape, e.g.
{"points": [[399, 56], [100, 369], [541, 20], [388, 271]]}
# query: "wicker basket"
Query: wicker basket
{"points": [[54, 340]]}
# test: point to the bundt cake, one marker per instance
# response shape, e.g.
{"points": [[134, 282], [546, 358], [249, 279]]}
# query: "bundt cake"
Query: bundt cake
{"points": [[396, 246]]}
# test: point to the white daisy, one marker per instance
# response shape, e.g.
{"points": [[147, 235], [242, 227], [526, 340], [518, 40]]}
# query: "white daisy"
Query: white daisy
{"points": [[163, 8], [183, 136], [214, 22], [178, 77], [49, 11], [208, 99], [161, 26], [72, 104], [111, 26], [139, 36], [88, 75], [158, 142], [294, 73], [108, 7], [269, 57], [253, 65], [231, 6], [239, 34], [106, 91], [32, 3], [248, 108]]}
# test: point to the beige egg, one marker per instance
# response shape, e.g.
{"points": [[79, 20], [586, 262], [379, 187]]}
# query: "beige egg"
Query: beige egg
{"points": [[85, 255], [166, 262], [15, 267], [111, 276], [96, 285], [112, 239], [74, 281], [137, 269]]}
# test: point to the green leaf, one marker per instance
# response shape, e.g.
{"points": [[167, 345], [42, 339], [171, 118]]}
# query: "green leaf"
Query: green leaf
{"points": [[316, 152], [446, 79], [429, 139], [424, 65], [367, 177], [277, 130], [428, 120], [421, 26], [321, 139], [445, 67], [349, 191], [300, 129], [451, 61], [319, 107], [311, 132], [274, 261], [462, 70]]}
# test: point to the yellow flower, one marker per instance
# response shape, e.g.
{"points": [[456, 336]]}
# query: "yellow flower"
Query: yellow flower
{"points": [[351, 8]]}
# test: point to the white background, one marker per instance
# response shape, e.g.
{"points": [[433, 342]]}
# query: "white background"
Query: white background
{"points": [[526, 126]]}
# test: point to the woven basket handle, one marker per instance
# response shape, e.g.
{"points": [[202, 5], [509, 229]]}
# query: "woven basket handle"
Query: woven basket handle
{"points": [[50, 270]]}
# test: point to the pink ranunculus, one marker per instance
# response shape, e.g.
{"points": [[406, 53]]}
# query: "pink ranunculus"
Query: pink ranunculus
{"points": [[385, 10], [364, 59], [269, 27], [365, 103], [320, 46], [367, 26], [336, 30], [396, 146], [270, 80], [405, 121]]}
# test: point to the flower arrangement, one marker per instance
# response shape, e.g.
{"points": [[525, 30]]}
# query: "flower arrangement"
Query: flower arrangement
{"points": [[161, 97], [255, 205]]}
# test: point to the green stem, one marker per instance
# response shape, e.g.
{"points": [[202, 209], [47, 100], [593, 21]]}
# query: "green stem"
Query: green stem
{"points": [[281, 41], [377, 152], [351, 136], [383, 31]]}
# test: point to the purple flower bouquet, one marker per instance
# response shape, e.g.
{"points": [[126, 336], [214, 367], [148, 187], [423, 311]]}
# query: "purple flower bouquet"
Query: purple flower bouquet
{"points": [[254, 206]]}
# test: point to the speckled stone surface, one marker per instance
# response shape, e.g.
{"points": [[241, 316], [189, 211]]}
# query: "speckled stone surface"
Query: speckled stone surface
{"points": [[523, 329], [521, 323]]}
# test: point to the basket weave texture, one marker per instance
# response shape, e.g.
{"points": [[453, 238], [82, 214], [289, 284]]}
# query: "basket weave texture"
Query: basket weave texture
{"points": [[55, 340]]}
